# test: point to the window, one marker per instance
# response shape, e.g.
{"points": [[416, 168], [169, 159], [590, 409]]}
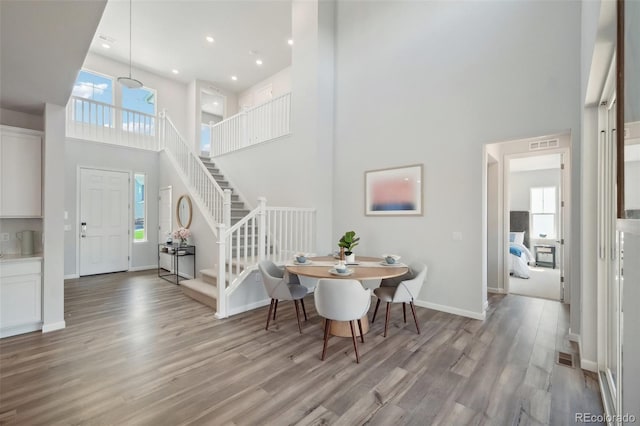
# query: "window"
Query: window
{"points": [[135, 102], [543, 212], [93, 87], [140, 211], [205, 139]]}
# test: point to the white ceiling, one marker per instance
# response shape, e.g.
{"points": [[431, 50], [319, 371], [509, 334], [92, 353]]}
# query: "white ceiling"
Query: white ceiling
{"points": [[42, 46], [171, 35], [539, 162]]}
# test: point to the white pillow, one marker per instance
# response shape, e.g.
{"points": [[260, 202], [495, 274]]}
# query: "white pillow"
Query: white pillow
{"points": [[516, 237]]}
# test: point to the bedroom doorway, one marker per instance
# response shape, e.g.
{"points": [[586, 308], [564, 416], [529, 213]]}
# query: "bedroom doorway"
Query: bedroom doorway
{"points": [[535, 203], [537, 194]]}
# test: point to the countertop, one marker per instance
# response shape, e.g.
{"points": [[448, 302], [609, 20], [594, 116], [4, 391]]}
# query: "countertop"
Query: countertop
{"points": [[5, 258]]}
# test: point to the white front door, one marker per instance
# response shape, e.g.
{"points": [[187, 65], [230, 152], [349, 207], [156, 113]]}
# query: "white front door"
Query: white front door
{"points": [[164, 225], [104, 221]]}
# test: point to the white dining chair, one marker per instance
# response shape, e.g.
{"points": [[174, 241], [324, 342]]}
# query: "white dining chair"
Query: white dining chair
{"points": [[342, 300], [404, 291], [281, 286]]}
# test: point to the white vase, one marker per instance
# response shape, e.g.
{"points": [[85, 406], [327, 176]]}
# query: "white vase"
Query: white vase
{"points": [[351, 258]]}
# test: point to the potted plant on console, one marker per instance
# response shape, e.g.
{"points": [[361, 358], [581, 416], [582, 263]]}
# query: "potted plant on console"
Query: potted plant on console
{"points": [[347, 243]]}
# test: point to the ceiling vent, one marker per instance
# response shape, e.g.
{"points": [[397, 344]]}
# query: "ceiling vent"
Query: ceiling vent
{"points": [[106, 38], [546, 144]]}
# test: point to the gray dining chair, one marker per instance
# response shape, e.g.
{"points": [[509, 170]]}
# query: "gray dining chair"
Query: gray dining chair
{"points": [[342, 300], [404, 290], [282, 286]]}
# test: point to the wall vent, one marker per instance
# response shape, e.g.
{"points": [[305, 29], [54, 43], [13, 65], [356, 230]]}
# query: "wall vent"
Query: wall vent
{"points": [[564, 358], [546, 144]]}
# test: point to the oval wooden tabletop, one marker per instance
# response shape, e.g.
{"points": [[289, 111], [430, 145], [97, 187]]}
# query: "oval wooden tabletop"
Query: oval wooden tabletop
{"points": [[360, 272]]}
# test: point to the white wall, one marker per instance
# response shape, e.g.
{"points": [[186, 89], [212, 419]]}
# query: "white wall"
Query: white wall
{"points": [[463, 74], [494, 269], [53, 222], [171, 94], [201, 234], [297, 170], [80, 153], [520, 184], [631, 188], [280, 84], [20, 119]]}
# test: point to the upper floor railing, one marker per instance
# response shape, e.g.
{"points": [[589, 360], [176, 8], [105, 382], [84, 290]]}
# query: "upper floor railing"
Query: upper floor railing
{"points": [[261, 123], [100, 122]]}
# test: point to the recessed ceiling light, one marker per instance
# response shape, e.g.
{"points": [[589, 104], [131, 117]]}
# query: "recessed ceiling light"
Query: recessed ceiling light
{"points": [[290, 41], [210, 39], [258, 61], [215, 104], [234, 78], [106, 46], [175, 71]]}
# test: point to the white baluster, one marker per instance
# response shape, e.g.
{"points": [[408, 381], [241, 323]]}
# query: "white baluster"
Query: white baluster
{"points": [[222, 293]]}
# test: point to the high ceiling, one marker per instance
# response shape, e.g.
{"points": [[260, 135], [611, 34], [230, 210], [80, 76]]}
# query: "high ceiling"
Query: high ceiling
{"points": [[42, 47], [170, 35]]}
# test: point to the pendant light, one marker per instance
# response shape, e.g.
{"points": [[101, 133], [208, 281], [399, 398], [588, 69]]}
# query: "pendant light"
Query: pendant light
{"points": [[130, 82]]}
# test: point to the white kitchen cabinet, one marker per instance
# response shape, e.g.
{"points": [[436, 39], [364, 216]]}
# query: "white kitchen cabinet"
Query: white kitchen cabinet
{"points": [[20, 296], [20, 172]]}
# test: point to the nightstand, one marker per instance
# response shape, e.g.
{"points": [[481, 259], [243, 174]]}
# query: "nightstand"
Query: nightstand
{"points": [[545, 256]]}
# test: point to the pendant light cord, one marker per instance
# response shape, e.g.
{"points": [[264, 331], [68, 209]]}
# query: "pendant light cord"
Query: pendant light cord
{"points": [[130, 27]]}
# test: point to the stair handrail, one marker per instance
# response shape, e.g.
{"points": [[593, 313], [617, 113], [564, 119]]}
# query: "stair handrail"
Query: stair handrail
{"points": [[215, 200], [239, 252]]}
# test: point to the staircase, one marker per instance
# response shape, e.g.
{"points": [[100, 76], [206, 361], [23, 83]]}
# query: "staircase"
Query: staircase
{"points": [[205, 288], [238, 208]]}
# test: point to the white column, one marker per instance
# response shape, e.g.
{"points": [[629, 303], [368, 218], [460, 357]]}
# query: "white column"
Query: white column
{"points": [[221, 278], [262, 228], [53, 222]]}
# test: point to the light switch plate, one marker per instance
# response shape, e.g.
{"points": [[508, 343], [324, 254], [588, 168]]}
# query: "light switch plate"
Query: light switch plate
{"points": [[67, 227], [457, 236], [4, 236]]}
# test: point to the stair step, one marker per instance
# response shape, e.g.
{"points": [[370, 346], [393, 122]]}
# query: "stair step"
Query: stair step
{"points": [[209, 276], [201, 291], [217, 176]]}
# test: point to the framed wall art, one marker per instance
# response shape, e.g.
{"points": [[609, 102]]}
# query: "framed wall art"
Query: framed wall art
{"points": [[395, 191]]}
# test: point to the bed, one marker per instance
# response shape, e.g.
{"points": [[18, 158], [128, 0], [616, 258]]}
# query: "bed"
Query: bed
{"points": [[519, 254]]}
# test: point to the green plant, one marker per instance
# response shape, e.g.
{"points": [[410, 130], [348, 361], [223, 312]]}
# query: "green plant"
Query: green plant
{"points": [[348, 242]]}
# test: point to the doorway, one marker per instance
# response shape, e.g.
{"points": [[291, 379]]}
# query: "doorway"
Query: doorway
{"points": [[534, 203], [212, 111], [164, 225], [104, 221]]}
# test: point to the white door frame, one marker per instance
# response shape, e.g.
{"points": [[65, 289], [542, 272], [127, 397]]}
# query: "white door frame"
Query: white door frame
{"points": [[565, 216], [77, 224], [162, 240]]}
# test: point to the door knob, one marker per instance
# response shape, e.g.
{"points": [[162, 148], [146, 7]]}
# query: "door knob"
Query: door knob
{"points": [[83, 230]]}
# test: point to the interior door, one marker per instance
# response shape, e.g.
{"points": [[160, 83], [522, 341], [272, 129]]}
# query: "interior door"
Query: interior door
{"points": [[104, 221], [560, 258], [164, 224]]}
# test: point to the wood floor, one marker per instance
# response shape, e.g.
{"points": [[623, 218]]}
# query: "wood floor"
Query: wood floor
{"points": [[137, 351]]}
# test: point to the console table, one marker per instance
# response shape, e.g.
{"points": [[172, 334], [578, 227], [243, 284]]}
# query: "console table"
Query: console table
{"points": [[176, 252]]}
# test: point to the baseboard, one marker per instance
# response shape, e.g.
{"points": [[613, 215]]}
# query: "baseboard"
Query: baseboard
{"points": [[53, 326], [142, 268], [71, 276], [244, 308], [451, 310], [574, 337], [496, 290], [20, 329], [485, 306], [588, 365]]}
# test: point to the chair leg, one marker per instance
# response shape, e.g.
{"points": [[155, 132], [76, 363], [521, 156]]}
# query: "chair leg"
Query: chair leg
{"points": [[298, 315], [415, 318], [404, 312], [303, 309], [375, 311], [355, 341], [275, 308], [327, 325], [269, 314], [386, 322], [361, 333]]}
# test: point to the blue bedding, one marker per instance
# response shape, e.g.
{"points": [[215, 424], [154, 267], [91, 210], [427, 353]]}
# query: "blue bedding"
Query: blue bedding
{"points": [[515, 250]]}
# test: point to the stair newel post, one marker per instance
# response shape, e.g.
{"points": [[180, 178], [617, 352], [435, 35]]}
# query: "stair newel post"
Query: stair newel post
{"points": [[262, 228], [222, 277], [226, 209]]}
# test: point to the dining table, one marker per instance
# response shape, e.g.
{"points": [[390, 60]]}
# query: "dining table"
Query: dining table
{"points": [[364, 268]]}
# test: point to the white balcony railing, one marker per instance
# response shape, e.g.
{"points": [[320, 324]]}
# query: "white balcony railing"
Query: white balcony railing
{"points": [[264, 122], [100, 122]]}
